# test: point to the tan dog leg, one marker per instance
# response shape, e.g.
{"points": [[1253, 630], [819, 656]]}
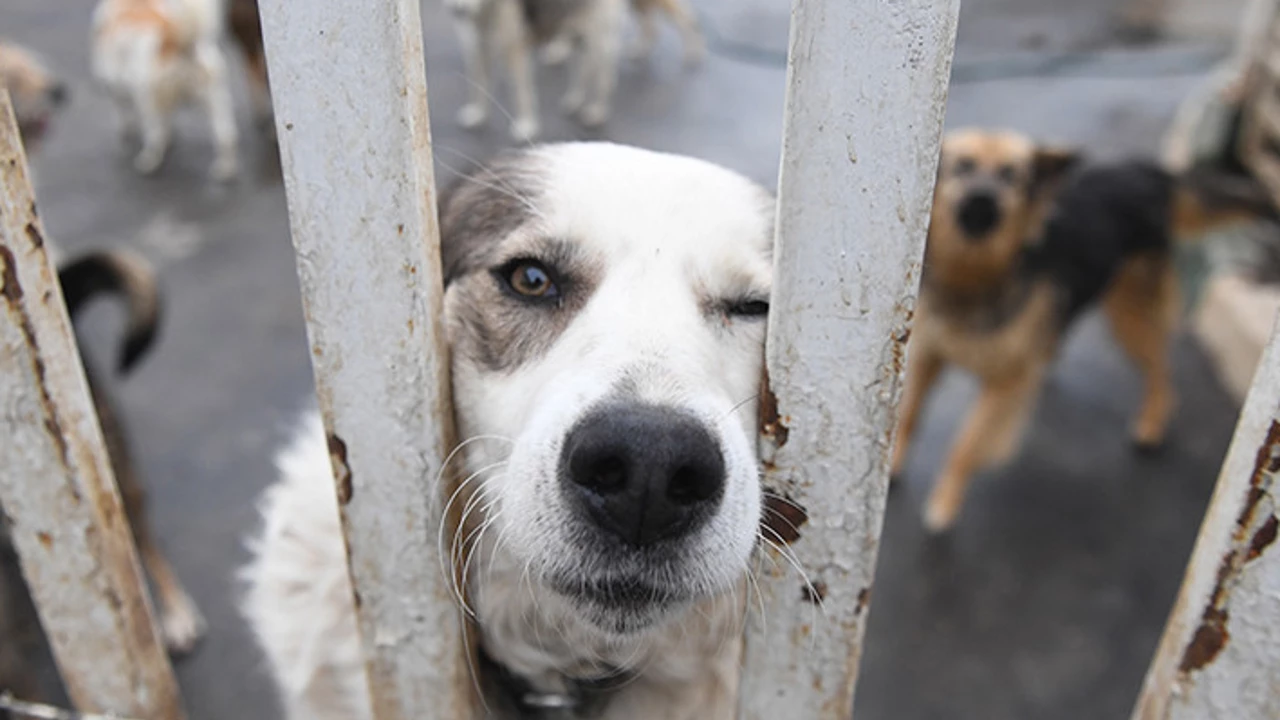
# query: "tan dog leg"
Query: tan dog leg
{"points": [[923, 369], [1143, 309], [990, 434]]}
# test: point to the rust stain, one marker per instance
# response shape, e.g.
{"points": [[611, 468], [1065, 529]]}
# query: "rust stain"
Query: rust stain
{"points": [[814, 593], [33, 233], [864, 599], [400, 229], [1262, 539], [342, 472], [45, 539], [783, 517], [771, 425], [11, 289], [1212, 635]]}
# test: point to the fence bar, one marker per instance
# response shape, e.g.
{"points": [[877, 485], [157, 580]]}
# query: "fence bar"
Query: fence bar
{"points": [[349, 90], [56, 488], [1219, 658], [866, 86]]}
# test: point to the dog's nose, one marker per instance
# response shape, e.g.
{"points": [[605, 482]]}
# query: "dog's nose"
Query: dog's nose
{"points": [[58, 93], [979, 213], [642, 473]]}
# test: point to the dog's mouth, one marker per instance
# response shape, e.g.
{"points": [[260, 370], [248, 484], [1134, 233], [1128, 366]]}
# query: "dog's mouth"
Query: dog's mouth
{"points": [[33, 128], [620, 604]]}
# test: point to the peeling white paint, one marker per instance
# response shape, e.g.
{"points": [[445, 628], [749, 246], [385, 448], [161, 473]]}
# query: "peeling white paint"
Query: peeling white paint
{"points": [[1219, 658], [56, 487], [851, 230], [348, 86]]}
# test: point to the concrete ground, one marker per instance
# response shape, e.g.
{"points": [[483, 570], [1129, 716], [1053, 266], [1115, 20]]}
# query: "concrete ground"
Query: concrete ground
{"points": [[1047, 600]]}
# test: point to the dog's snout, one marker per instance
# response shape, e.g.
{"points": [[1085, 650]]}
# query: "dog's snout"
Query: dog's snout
{"points": [[979, 214], [643, 473], [58, 94]]}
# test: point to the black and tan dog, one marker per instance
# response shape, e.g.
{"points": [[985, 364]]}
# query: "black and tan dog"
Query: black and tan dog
{"points": [[83, 279], [1019, 245]]}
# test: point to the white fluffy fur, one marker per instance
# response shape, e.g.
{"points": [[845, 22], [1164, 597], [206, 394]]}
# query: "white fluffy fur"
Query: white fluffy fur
{"points": [[156, 55], [670, 234], [496, 29]]}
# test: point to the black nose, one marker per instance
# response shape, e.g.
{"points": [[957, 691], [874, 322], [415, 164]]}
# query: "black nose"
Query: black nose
{"points": [[642, 473], [58, 93], [979, 214]]}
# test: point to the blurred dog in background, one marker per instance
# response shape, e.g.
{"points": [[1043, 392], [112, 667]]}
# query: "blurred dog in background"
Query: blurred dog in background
{"points": [[1019, 245], [36, 92], [156, 55]]}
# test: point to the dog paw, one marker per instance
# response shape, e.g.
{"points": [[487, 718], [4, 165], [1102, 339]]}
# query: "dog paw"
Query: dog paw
{"points": [[556, 52], [939, 515], [472, 115], [594, 115], [224, 168], [148, 160], [524, 130], [182, 626]]}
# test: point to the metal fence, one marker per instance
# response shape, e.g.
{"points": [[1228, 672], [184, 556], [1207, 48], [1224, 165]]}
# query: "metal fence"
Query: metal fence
{"points": [[860, 144]]}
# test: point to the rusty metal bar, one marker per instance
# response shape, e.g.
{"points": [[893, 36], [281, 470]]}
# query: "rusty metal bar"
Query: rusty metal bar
{"points": [[866, 86], [56, 488], [349, 90], [1219, 658]]}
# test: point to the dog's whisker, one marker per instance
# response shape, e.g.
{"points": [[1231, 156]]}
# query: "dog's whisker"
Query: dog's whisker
{"points": [[457, 549], [738, 406], [449, 574], [815, 606]]}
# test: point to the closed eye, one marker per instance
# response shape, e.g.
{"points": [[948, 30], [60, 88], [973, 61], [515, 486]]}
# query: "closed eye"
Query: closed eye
{"points": [[747, 308]]}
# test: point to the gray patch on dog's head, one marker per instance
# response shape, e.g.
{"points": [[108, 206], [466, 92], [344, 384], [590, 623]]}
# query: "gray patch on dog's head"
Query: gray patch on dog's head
{"points": [[490, 327], [484, 207]]}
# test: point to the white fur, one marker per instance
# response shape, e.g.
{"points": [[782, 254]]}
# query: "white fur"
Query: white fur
{"points": [[668, 234], [148, 85], [496, 29]]}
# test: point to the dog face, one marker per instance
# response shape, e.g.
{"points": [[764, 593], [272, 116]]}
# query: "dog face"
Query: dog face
{"points": [[35, 92], [606, 313], [991, 191]]}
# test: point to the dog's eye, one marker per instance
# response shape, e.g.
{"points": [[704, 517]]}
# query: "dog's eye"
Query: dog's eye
{"points": [[1008, 174], [747, 307], [964, 166], [529, 278]]}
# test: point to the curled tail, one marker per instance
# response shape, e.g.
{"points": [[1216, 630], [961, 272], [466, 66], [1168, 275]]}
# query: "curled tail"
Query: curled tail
{"points": [[1205, 198], [125, 273]]}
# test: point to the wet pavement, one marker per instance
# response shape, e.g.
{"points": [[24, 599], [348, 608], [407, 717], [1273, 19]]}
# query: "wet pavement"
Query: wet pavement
{"points": [[1047, 600]]}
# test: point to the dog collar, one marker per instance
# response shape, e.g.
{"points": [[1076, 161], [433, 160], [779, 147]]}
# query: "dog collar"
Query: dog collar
{"points": [[516, 696]]}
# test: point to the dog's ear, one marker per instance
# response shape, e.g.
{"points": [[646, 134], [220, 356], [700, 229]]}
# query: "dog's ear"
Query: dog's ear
{"points": [[1051, 164]]}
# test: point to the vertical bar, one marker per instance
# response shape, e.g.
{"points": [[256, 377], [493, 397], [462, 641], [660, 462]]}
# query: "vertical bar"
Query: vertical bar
{"points": [[349, 90], [1219, 658], [866, 86], [56, 488]]}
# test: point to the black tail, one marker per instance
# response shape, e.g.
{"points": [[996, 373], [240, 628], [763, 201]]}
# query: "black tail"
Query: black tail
{"points": [[125, 273], [1207, 196]]}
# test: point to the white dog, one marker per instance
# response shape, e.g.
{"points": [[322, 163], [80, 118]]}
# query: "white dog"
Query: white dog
{"points": [[512, 29], [155, 55], [605, 308]]}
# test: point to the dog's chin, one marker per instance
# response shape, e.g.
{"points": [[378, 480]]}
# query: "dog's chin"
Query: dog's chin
{"points": [[620, 606]]}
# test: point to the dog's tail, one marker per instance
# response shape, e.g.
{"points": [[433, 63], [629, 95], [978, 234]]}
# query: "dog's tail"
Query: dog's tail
{"points": [[1206, 198], [125, 273]]}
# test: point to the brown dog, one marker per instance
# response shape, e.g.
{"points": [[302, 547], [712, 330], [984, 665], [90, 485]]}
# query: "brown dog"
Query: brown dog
{"points": [[1019, 245], [83, 279]]}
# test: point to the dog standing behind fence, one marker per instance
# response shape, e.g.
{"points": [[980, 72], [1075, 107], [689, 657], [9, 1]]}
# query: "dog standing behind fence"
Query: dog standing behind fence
{"points": [[156, 55], [1019, 247], [605, 309]]}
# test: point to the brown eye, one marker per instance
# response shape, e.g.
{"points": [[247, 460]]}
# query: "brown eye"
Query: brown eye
{"points": [[529, 279], [1008, 174]]}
